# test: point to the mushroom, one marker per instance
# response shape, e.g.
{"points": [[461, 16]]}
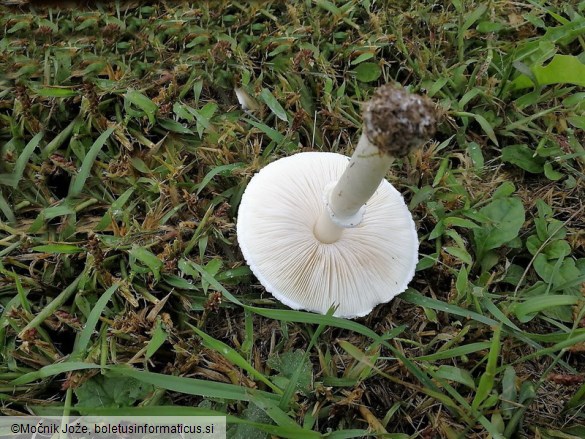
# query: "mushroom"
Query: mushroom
{"points": [[320, 229]]}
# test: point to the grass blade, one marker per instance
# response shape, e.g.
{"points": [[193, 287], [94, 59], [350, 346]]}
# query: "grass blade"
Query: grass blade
{"points": [[83, 340], [456, 352], [486, 382], [416, 299], [293, 431], [59, 139], [192, 386], [233, 357], [78, 181], [54, 304], [6, 210], [224, 169], [273, 104], [13, 179], [58, 249], [51, 370]]}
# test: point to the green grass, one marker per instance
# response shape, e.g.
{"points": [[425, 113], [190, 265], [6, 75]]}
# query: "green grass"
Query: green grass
{"points": [[123, 156]]}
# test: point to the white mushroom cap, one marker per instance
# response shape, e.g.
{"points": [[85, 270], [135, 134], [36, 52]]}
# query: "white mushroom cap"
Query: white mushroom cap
{"points": [[369, 264]]}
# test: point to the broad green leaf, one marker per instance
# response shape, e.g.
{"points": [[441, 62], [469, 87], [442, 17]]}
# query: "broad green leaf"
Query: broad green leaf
{"points": [[363, 57], [183, 111], [288, 363], [556, 271], [427, 261], [208, 110], [551, 173], [533, 244], [139, 165], [557, 249], [523, 157], [234, 274], [254, 415], [437, 85], [487, 128], [577, 121], [505, 218], [462, 282], [211, 268], [474, 151], [328, 6], [504, 190], [280, 49], [368, 72], [562, 69], [568, 31], [555, 229], [60, 138], [111, 391], [179, 282]]}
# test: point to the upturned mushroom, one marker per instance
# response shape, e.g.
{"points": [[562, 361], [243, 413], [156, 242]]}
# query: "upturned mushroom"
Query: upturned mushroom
{"points": [[322, 229]]}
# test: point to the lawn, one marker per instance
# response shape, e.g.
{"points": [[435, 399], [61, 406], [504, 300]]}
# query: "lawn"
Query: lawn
{"points": [[124, 154]]}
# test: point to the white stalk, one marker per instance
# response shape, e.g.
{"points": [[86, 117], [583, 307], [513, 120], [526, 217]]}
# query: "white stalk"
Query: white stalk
{"points": [[345, 202], [395, 122]]}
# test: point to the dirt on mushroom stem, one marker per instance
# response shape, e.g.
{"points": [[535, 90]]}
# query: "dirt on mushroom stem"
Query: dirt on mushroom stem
{"points": [[397, 121]]}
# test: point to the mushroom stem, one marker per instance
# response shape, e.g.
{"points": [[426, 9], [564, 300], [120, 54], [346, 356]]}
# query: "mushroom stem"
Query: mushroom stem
{"points": [[325, 230], [395, 122], [345, 201], [366, 169]]}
